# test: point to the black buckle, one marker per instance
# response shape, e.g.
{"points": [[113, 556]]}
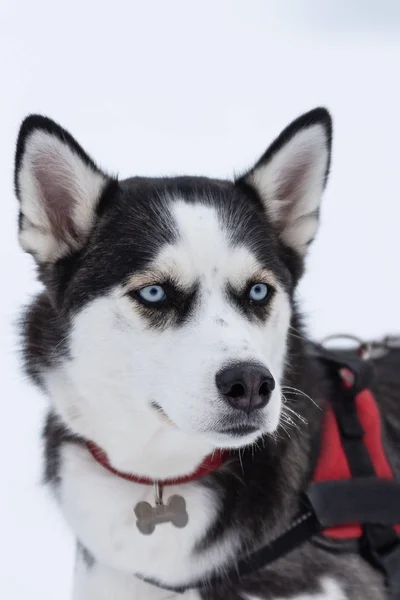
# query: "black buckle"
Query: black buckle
{"points": [[336, 360], [381, 546], [359, 500]]}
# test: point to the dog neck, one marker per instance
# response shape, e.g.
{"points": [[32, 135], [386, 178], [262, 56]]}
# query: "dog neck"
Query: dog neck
{"points": [[210, 464]]}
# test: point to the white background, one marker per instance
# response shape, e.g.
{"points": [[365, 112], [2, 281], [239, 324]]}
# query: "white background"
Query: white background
{"points": [[174, 87]]}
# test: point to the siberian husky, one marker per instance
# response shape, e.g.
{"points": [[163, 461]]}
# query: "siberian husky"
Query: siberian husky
{"points": [[183, 397]]}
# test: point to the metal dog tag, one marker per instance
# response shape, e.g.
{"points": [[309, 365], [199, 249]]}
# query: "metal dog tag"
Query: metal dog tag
{"points": [[149, 516]]}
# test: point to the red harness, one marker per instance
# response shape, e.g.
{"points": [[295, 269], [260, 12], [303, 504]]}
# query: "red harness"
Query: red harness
{"points": [[354, 494], [333, 463]]}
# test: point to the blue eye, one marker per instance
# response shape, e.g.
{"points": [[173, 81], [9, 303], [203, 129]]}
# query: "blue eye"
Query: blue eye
{"points": [[258, 293], [152, 294]]}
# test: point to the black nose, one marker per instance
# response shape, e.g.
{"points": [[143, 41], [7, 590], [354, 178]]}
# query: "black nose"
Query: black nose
{"points": [[246, 386]]}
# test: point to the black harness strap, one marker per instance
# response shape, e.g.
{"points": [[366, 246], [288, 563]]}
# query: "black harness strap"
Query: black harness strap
{"points": [[381, 547], [361, 500], [302, 529], [362, 370]]}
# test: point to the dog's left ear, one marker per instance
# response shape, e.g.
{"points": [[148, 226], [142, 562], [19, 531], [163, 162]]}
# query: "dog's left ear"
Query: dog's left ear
{"points": [[291, 176]]}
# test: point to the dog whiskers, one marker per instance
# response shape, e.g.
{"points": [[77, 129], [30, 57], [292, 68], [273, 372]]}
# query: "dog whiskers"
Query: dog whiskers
{"points": [[241, 461], [257, 445], [294, 413], [298, 392], [297, 337], [296, 330], [285, 430], [289, 423], [288, 417]]}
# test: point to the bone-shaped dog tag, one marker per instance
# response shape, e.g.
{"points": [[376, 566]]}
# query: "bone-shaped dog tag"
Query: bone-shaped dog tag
{"points": [[149, 516]]}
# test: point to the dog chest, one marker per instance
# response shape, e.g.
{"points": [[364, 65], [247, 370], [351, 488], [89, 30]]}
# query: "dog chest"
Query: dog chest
{"points": [[100, 508]]}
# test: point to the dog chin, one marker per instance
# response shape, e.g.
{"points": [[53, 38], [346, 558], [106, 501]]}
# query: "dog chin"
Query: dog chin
{"points": [[230, 440]]}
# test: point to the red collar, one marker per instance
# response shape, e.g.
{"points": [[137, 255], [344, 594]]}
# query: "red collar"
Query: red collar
{"points": [[210, 464]]}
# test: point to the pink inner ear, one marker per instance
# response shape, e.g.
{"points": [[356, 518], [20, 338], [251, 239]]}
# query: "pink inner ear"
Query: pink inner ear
{"points": [[291, 182], [58, 200]]}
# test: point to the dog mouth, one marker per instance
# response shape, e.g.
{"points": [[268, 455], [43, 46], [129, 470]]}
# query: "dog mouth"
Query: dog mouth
{"points": [[238, 430], [235, 430]]}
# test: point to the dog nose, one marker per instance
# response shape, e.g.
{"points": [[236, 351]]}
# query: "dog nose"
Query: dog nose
{"points": [[246, 386]]}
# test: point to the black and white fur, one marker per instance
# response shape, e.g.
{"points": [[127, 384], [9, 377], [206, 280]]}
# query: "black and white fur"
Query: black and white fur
{"points": [[140, 381]]}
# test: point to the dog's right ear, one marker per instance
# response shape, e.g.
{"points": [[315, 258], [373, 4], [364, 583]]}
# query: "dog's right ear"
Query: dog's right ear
{"points": [[59, 188], [291, 175]]}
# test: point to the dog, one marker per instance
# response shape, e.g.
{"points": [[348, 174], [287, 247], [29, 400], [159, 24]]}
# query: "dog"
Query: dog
{"points": [[184, 397]]}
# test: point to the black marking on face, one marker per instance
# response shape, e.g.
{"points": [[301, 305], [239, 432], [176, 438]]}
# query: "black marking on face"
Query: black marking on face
{"points": [[252, 310], [174, 310]]}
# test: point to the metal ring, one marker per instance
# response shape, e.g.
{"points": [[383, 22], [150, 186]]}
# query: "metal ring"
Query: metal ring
{"points": [[345, 336], [368, 350], [364, 349]]}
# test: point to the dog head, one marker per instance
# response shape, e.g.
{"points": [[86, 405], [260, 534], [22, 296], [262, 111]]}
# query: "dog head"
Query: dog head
{"points": [[173, 297]]}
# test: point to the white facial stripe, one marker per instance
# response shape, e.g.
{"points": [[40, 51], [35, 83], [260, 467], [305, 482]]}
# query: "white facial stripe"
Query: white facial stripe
{"points": [[203, 251]]}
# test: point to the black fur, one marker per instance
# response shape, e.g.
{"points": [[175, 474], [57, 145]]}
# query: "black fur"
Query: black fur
{"points": [[44, 335], [55, 434]]}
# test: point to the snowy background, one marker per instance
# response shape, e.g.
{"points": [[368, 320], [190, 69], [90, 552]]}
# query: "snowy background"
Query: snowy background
{"points": [[169, 87]]}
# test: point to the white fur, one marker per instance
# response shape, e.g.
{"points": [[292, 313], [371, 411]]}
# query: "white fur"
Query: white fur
{"points": [[305, 154], [99, 507], [71, 175]]}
